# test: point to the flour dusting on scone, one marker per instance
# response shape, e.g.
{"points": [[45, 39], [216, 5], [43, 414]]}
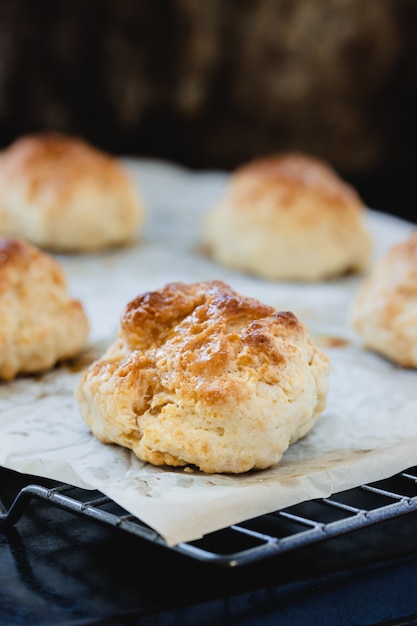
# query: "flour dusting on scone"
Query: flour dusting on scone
{"points": [[39, 322], [201, 375], [64, 195], [384, 311], [289, 217]]}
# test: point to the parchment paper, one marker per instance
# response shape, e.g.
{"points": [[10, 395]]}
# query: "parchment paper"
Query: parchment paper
{"points": [[367, 432]]}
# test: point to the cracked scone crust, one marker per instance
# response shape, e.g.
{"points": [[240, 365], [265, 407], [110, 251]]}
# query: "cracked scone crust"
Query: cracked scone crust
{"points": [[65, 195], [39, 323], [200, 375], [384, 312], [289, 217]]}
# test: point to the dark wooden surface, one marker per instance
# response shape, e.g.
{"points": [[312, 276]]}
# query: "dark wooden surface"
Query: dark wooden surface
{"points": [[212, 84]]}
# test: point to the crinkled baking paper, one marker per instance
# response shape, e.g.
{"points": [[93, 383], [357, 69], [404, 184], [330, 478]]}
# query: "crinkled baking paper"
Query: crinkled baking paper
{"points": [[367, 432]]}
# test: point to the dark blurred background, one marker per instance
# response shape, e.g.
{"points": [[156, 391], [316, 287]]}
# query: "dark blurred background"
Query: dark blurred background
{"points": [[213, 83]]}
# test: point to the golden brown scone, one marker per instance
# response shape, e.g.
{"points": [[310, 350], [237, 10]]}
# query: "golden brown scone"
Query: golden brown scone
{"points": [[204, 376], [64, 195], [289, 217], [39, 323], [384, 311]]}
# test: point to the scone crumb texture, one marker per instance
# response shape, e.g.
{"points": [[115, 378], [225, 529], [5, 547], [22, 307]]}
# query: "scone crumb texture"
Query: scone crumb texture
{"points": [[384, 311], [40, 324]]}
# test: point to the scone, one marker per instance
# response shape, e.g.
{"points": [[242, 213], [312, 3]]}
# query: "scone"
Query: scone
{"points": [[384, 311], [200, 375], [39, 323], [288, 217], [64, 195]]}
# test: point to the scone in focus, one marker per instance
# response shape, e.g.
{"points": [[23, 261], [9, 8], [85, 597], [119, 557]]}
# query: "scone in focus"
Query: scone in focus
{"points": [[288, 217], [64, 195], [384, 312], [201, 375], [39, 323]]}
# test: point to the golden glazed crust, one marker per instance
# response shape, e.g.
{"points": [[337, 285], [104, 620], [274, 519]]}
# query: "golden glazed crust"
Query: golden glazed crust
{"points": [[289, 217], [204, 376], [62, 194], [384, 312], [39, 323]]}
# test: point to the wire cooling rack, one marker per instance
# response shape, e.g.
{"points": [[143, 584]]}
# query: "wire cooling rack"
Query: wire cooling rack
{"points": [[255, 539]]}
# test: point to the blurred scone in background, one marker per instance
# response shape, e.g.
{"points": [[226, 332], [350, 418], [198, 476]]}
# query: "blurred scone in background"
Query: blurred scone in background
{"points": [[214, 84]]}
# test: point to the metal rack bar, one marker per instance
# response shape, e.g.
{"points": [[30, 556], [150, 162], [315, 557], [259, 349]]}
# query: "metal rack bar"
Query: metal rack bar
{"points": [[253, 540]]}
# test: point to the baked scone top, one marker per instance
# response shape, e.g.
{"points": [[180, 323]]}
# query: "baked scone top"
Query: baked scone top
{"points": [[202, 375], [57, 161], [208, 333], [17, 257], [288, 177]]}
